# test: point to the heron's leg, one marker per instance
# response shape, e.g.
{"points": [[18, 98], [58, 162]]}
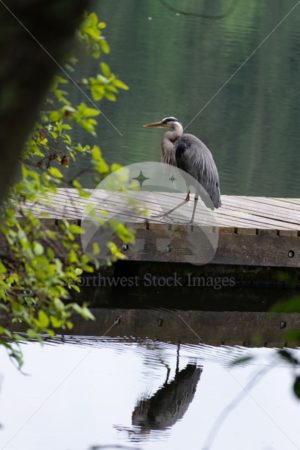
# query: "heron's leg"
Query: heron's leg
{"points": [[194, 208], [187, 199], [168, 373], [177, 358], [168, 369]]}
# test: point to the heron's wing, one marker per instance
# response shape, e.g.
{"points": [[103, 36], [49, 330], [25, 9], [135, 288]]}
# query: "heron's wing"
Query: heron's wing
{"points": [[195, 158]]}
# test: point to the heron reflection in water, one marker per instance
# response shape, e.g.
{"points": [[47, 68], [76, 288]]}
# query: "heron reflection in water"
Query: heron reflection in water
{"points": [[170, 402], [191, 155]]}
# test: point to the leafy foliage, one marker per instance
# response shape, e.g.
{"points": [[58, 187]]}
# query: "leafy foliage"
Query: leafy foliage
{"points": [[288, 357], [296, 387], [241, 361], [40, 265]]}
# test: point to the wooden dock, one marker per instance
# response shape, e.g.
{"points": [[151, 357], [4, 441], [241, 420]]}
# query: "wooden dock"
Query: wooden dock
{"points": [[248, 231], [257, 248]]}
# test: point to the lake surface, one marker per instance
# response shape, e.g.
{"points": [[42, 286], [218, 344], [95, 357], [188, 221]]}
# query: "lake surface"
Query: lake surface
{"points": [[89, 392], [184, 65]]}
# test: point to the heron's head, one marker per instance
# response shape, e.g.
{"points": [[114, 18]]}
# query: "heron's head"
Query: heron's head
{"points": [[167, 122]]}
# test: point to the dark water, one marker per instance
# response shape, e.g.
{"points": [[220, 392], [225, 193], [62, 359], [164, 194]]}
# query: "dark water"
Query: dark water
{"points": [[176, 63], [99, 392]]}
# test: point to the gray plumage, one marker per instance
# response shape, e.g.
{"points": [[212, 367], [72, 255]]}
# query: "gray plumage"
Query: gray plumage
{"points": [[194, 157], [191, 155]]}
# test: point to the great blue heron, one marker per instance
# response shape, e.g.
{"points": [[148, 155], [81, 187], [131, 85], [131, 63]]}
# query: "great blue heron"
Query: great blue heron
{"points": [[169, 403], [188, 153]]}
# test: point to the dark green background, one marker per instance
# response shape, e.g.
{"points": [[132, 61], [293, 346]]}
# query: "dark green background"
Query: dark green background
{"points": [[175, 63]]}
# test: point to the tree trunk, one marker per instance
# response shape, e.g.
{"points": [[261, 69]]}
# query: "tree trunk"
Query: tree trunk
{"points": [[33, 35]]}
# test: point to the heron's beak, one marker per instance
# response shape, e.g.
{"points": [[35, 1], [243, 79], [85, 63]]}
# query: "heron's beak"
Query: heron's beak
{"points": [[154, 125]]}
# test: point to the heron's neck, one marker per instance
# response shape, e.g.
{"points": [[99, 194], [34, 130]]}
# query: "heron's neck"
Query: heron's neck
{"points": [[168, 144], [175, 133]]}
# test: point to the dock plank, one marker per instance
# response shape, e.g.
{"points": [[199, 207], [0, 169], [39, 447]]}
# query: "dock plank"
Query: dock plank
{"points": [[237, 211]]}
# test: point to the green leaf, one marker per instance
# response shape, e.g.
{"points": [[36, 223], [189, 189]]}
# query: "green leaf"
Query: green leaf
{"points": [[55, 322], [120, 84], [69, 325], [84, 312], [38, 249], [73, 257], [24, 171], [55, 115], [58, 304], [288, 357], [85, 111], [96, 248], [110, 96], [32, 334], [16, 354], [75, 229], [242, 360], [105, 47], [105, 70], [80, 190], [101, 165], [125, 234], [2, 268], [92, 19], [296, 387], [43, 319], [97, 91], [55, 172], [50, 253], [96, 153]]}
